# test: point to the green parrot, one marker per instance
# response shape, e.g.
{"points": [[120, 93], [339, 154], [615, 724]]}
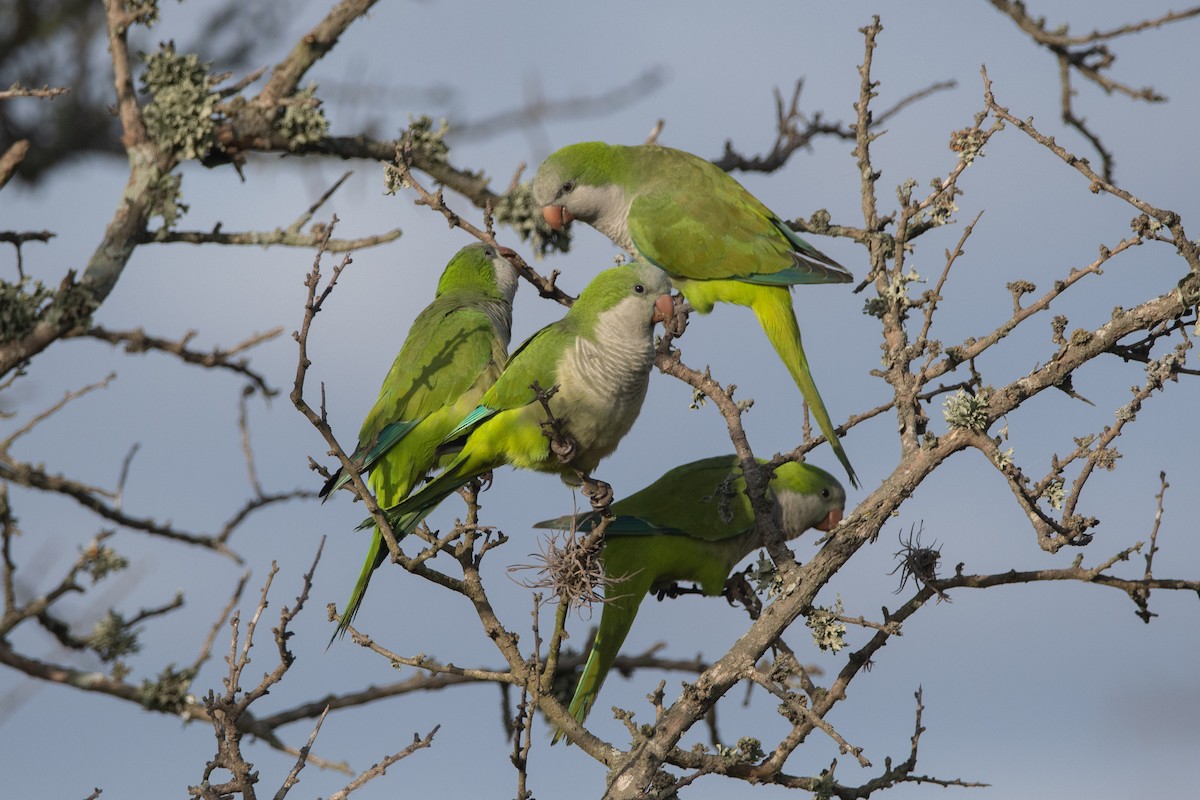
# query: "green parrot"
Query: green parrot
{"points": [[599, 356], [455, 350], [695, 524], [717, 241]]}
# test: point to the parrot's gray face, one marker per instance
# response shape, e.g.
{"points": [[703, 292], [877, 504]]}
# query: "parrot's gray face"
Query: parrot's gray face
{"points": [[604, 207], [798, 512]]}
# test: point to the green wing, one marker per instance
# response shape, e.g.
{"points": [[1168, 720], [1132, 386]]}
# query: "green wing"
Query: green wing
{"points": [[695, 221], [536, 360], [702, 500], [451, 347], [705, 498]]}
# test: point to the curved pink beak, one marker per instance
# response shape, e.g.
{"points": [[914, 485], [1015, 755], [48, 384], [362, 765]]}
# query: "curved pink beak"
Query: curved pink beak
{"points": [[664, 309], [557, 217], [507, 252], [831, 520]]}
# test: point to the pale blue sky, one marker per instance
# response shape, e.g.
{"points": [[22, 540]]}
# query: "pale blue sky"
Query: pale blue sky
{"points": [[1055, 691]]}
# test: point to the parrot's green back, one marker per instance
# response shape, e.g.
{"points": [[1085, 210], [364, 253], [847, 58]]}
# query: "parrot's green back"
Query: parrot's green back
{"points": [[694, 524], [692, 234], [455, 350], [439, 376], [706, 499]]}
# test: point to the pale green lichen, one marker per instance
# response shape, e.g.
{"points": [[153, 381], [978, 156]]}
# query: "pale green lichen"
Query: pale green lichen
{"points": [[393, 180], [145, 12], [875, 306], [943, 208], [21, 306], [1003, 458], [427, 140], [827, 632], [765, 577], [968, 143], [966, 410], [99, 561], [168, 692], [895, 294], [72, 306], [1054, 493], [179, 115], [748, 750], [112, 638], [165, 197], [1163, 370], [303, 121], [822, 788], [422, 142]]}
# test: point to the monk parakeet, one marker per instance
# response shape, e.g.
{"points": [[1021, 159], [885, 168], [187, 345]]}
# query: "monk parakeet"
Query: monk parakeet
{"points": [[695, 524], [599, 356], [454, 352], [717, 241]]}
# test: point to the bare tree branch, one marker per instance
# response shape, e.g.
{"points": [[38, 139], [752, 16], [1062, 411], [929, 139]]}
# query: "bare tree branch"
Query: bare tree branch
{"points": [[1090, 57], [138, 341]]}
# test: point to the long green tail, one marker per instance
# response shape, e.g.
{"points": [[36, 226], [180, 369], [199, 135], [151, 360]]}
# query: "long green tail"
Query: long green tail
{"points": [[621, 602], [375, 557], [404, 518], [774, 311]]}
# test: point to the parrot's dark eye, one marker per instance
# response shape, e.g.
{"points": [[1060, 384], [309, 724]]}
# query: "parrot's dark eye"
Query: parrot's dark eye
{"points": [[637, 287], [825, 493], [567, 186], [489, 252]]}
